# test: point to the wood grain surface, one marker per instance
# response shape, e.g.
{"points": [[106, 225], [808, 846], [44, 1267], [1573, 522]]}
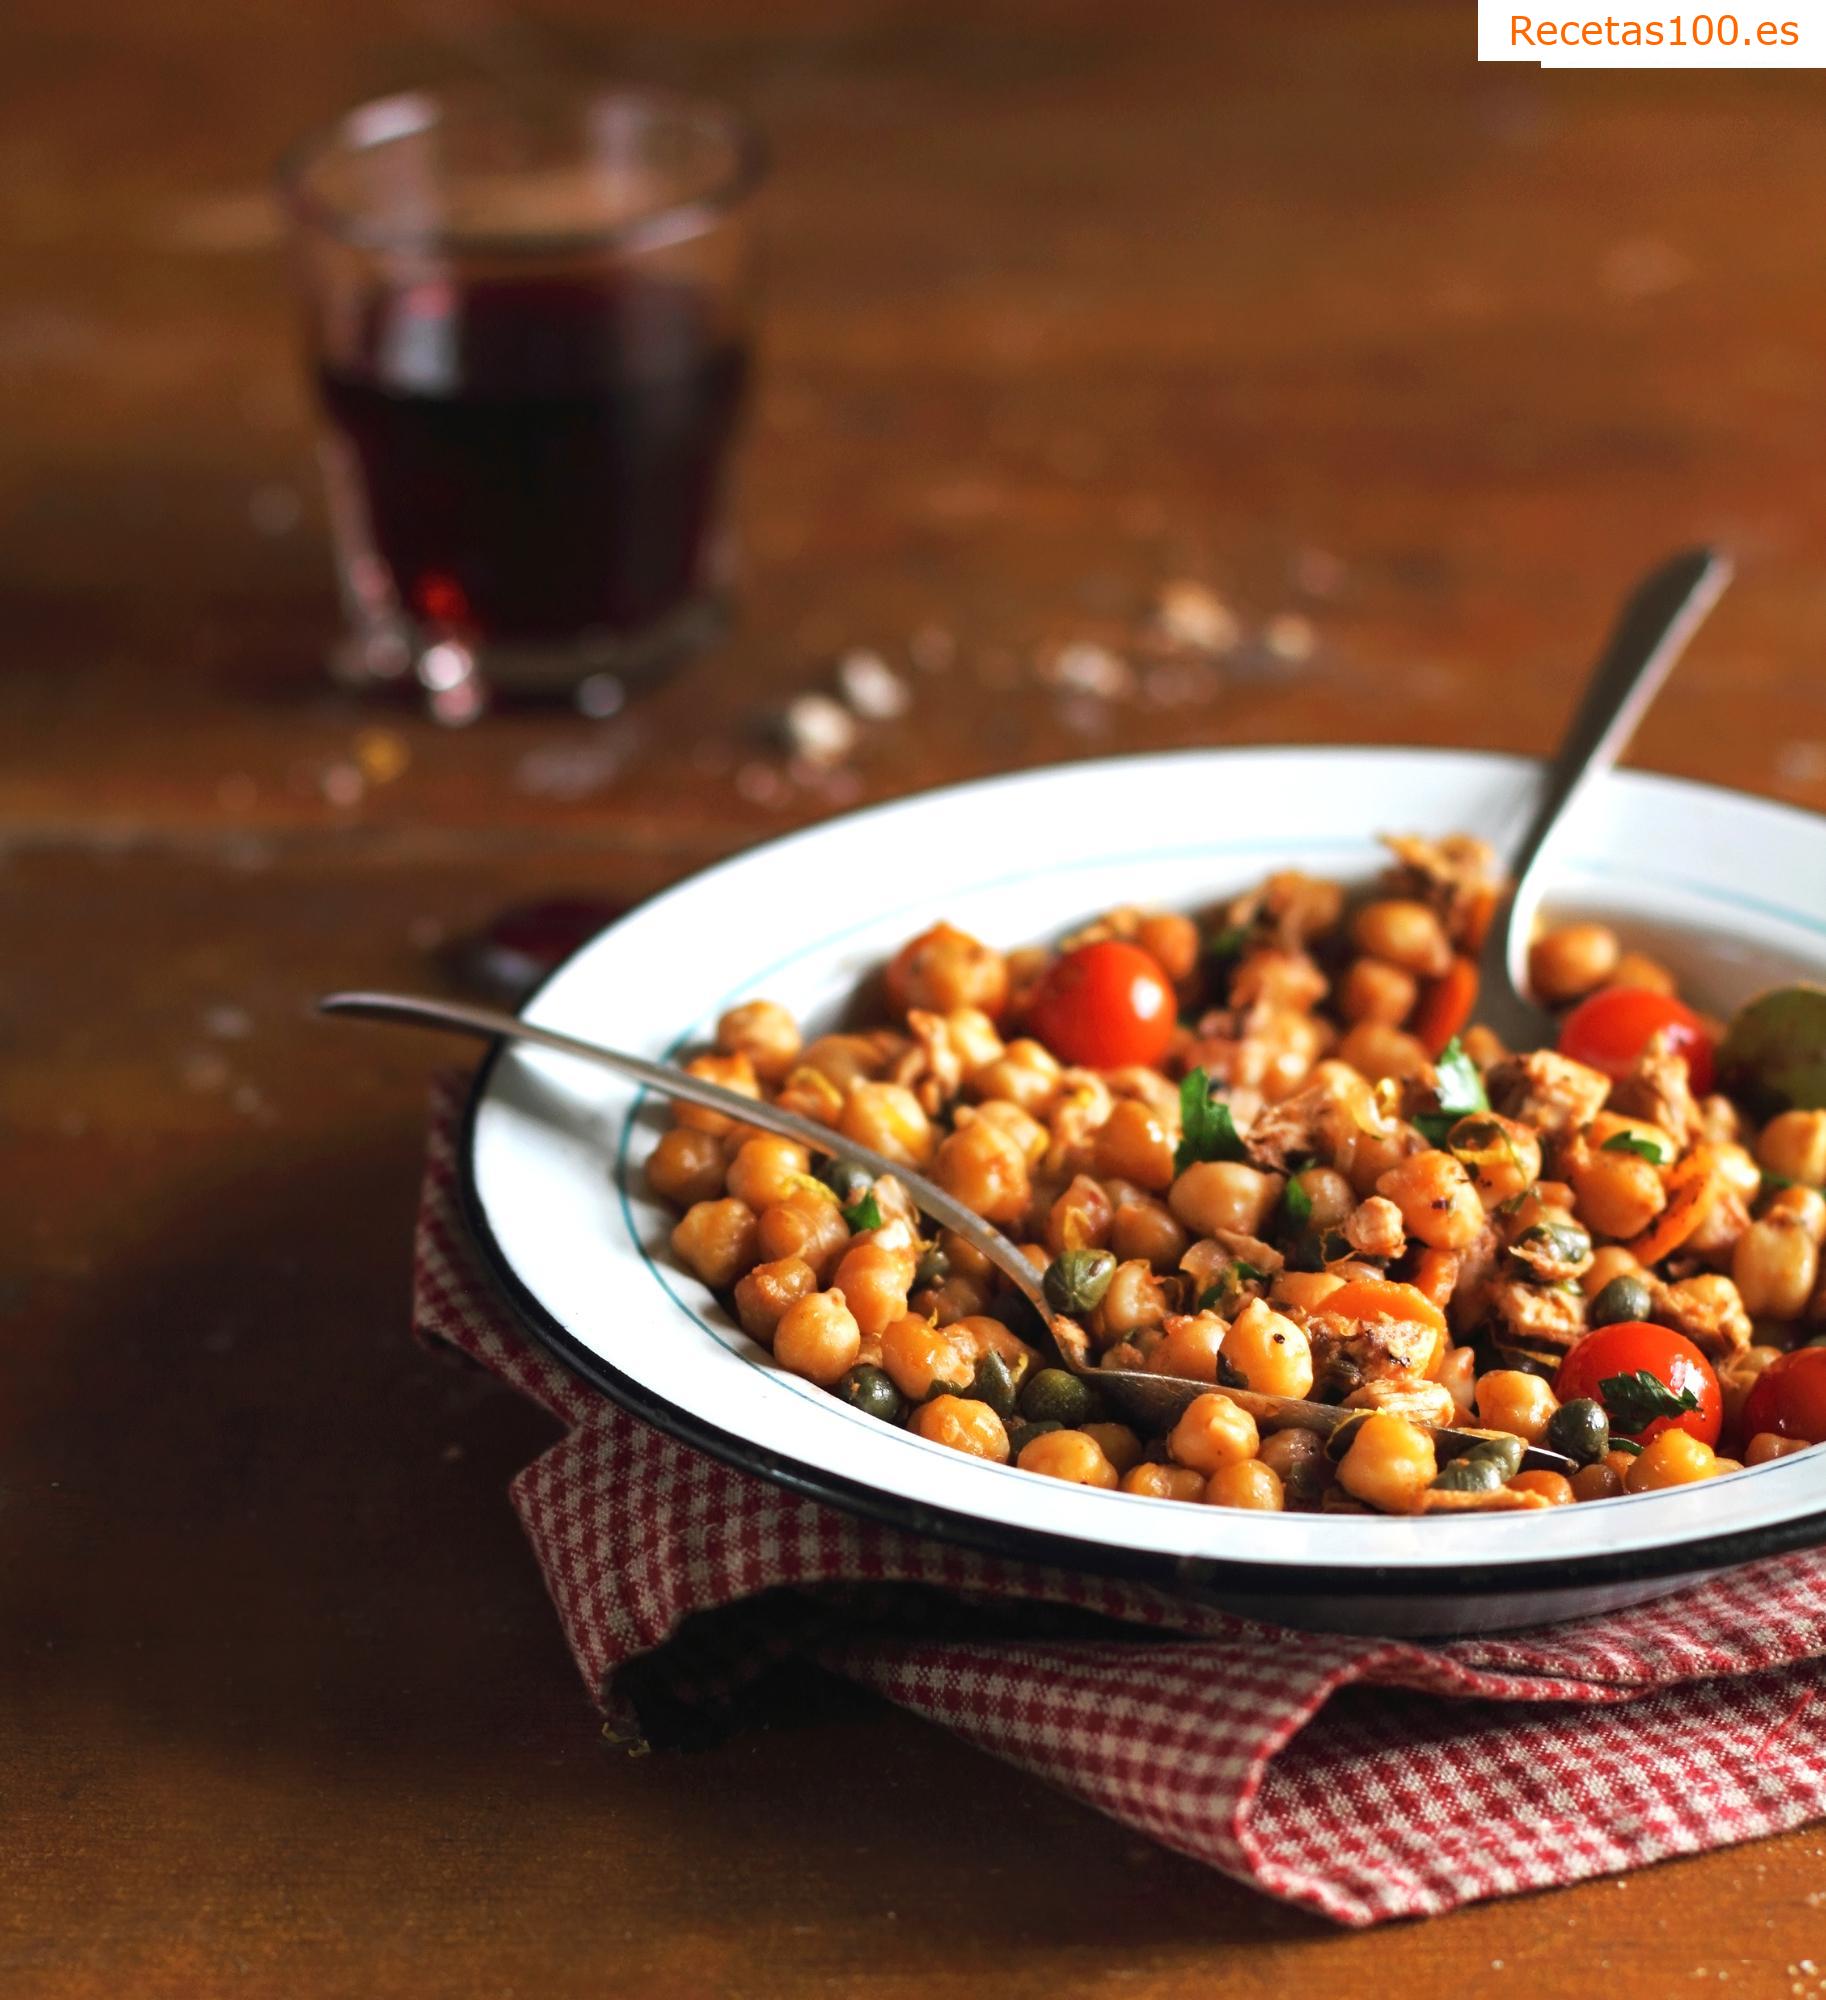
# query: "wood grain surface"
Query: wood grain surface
{"points": [[1415, 363]]}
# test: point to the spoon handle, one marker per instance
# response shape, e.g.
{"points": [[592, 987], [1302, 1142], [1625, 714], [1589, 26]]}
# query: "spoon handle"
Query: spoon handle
{"points": [[673, 1082], [1652, 632]]}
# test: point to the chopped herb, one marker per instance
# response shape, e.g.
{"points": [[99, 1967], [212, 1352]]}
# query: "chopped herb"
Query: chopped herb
{"points": [[1636, 1400], [1626, 1444], [863, 1214], [1651, 1150], [1229, 942], [1774, 1184], [1460, 1091], [1207, 1130], [1296, 1205], [1243, 1271]]}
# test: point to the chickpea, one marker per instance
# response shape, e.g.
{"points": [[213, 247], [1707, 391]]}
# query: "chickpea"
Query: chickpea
{"points": [[1776, 1265], [685, 1167], [1378, 1051], [1278, 1053], [1674, 1458], [1025, 1073], [1172, 942], [1568, 961], [1553, 1487], [1026, 1131], [1283, 980], [1144, 1228], [767, 1170], [717, 1239], [1224, 1194], [1190, 1347], [984, 1169], [1369, 1154], [888, 1117], [1618, 1464], [1080, 1218], [1808, 1209], [1502, 1155], [944, 968], [1374, 990], [1213, 1432], [1766, 1445], [1389, 1463], [1164, 1482], [1438, 1204], [1457, 1373], [763, 1295], [1117, 1442], [812, 1095], [1297, 1459], [1271, 1353], [1619, 1194], [805, 1224], [975, 1040], [1737, 1169], [1133, 1301], [917, 1357], [818, 1337], [1407, 934], [875, 1282], [1134, 1145], [764, 1032], [1249, 1484], [1608, 1261], [1331, 1196], [1596, 1482], [1793, 1144], [1510, 1399], [1636, 968], [1071, 1456], [1306, 1289], [964, 1424], [733, 1073]]}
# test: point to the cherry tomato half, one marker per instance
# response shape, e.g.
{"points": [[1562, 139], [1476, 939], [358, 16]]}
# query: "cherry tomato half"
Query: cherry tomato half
{"points": [[1789, 1397], [1610, 1030], [1670, 1357], [1105, 1006]]}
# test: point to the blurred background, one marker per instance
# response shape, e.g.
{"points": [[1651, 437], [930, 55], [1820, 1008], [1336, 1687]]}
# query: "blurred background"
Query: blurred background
{"points": [[1127, 377]]}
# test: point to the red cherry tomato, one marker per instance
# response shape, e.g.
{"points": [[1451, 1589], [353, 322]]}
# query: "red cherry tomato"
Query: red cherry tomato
{"points": [[1105, 1006], [1670, 1357], [1610, 1030], [1790, 1398]]}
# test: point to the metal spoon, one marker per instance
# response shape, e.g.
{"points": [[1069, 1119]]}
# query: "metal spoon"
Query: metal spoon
{"points": [[1154, 1401], [1651, 633]]}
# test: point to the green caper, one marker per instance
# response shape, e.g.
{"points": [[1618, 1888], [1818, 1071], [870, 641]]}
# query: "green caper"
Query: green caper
{"points": [[1054, 1395], [1581, 1428], [846, 1180], [1469, 1474], [933, 1268], [1077, 1280], [1624, 1298], [870, 1391], [996, 1384], [1020, 1436], [1503, 1451]]}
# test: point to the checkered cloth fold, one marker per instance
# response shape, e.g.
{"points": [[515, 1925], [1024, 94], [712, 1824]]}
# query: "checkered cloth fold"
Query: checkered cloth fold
{"points": [[1361, 1778]]}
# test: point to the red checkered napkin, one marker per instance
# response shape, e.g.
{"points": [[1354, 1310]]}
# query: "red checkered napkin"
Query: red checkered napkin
{"points": [[1362, 1778]]}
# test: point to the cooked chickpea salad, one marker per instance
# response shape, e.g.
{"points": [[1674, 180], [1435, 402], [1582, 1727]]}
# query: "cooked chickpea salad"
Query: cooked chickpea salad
{"points": [[1269, 1148]]}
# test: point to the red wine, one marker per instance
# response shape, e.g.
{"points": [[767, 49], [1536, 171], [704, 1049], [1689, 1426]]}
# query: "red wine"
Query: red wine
{"points": [[540, 458]]}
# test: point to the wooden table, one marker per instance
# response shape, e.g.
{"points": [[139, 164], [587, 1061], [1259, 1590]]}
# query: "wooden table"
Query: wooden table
{"points": [[1068, 302]]}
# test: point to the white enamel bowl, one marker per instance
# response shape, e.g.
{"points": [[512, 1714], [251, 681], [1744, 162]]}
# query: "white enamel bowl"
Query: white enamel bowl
{"points": [[1730, 890]]}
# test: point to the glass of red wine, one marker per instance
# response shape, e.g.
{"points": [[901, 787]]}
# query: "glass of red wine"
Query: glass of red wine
{"points": [[528, 315]]}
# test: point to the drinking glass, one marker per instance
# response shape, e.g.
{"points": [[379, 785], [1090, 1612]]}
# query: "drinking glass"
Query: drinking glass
{"points": [[529, 320]]}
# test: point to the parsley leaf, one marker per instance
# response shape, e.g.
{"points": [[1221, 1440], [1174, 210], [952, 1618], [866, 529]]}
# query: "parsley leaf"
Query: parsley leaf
{"points": [[1636, 1400], [1460, 1091], [1651, 1150], [864, 1213], [1296, 1205], [1207, 1130], [1228, 1283], [1626, 1444], [1228, 943]]}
